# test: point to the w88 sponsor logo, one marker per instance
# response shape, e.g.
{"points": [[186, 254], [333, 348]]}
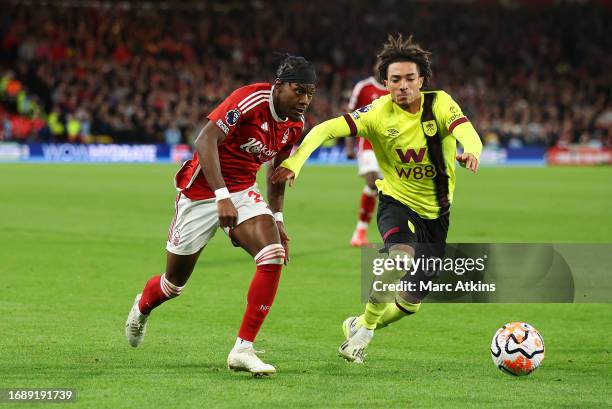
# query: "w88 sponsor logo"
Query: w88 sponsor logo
{"points": [[417, 172]]}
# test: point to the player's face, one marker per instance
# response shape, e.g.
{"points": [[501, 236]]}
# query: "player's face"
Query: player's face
{"points": [[404, 83], [294, 99]]}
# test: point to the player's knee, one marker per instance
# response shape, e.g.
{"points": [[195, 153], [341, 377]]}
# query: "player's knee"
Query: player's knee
{"points": [[407, 303], [403, 251], [273, 254], [402, 261]]}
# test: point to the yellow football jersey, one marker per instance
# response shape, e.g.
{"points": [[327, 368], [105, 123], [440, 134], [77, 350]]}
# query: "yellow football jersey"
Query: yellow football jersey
{"points": [[415, 152]]}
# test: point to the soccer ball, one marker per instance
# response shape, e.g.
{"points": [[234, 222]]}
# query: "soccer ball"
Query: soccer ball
{"points": [[517, 349]]}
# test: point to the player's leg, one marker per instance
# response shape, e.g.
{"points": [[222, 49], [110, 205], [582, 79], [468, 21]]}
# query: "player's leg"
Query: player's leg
{"points": [[398, 233], [368, 169], [382, 309], [257, 233], [194, 223], [161, 288], [404, 303], [433, 243], [399, 228], [259, 237]]}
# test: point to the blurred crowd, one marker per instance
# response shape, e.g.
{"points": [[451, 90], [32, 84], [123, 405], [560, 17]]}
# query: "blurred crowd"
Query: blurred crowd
{"points": [[149, 72]]}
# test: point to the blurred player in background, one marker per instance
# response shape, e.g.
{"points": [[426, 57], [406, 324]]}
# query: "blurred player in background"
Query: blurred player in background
{"points": [[217, 188], [414, 135], [364, 93]]}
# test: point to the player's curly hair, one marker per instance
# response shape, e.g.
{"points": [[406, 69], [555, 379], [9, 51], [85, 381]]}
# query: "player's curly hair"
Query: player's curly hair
{"points": [[399, 49]]}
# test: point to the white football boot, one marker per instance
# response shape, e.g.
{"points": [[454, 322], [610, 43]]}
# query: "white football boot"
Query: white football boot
{"points": [[350, 327], [352, 348], [136, 324], [245, 359]]}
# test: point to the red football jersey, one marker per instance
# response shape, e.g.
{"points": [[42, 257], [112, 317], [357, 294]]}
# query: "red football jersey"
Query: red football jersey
{"points": [[255, 135], [364, 93]]}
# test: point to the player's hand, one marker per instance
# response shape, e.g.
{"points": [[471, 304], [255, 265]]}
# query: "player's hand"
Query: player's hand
{"points": [[468, 161], [284, 240], [283, 175], [228, 215]]}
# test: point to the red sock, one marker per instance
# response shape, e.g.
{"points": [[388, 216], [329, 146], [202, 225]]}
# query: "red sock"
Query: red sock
{"points": [[157, 290], [368, 203], [259, 299]]}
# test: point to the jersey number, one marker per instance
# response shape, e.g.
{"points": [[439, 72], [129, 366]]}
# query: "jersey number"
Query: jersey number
{"points": [[256, 196]]}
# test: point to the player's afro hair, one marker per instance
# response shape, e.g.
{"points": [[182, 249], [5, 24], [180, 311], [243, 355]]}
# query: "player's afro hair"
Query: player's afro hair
{"points": [[399, 49]]}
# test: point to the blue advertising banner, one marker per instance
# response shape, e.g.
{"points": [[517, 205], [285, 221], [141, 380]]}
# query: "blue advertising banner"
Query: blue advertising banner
{"points": [[98, 153], [115, 153], [531, 156]]}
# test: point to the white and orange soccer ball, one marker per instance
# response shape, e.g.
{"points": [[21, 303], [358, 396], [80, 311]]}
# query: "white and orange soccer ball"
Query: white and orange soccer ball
{"points": [[517, 349]]}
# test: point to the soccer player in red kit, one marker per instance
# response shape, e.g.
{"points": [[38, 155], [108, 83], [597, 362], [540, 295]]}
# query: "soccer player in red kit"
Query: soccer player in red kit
{"points": [[217, 188], [364, 93]]}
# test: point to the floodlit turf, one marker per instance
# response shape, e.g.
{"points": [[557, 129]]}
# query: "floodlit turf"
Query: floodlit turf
{"points": [[78, 241]]}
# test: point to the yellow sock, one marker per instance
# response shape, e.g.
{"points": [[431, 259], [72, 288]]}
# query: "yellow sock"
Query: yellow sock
{"points": [[372, 314], [375, 310], [393, 312]]}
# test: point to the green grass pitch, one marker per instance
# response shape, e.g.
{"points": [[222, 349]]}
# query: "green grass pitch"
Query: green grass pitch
{"points": [[77, 242]]}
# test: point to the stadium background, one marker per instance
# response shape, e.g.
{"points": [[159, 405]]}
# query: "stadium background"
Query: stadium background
{"points": [[101, 83], [148, 73]]}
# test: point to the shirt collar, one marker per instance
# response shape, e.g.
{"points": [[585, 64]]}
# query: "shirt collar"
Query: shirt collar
{"points": [[274, 114]]}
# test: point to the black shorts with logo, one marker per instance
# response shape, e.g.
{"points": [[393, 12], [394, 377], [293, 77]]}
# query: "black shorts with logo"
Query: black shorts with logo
{"points": [[399, 224]]}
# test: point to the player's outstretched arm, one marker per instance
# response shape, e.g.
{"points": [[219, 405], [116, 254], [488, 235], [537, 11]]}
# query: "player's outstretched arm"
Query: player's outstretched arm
{"points": [[276, 200], [206, 145], [472, 147], [290, 168], [349, 147]]}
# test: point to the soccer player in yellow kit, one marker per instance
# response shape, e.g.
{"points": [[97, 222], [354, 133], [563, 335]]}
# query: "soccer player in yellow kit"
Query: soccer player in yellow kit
{"points": [[414, 135]]}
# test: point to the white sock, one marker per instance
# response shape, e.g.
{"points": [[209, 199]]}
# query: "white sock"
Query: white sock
{"points": [[369, 191], [362, 225], [241, 343]]}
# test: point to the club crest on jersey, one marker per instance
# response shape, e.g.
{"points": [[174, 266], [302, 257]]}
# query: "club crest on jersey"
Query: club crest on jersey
{"points": [[430, 127], [285, 136], [264, 127], [231, 117]]}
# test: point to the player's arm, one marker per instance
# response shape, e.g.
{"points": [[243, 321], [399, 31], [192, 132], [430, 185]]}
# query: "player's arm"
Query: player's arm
{"points": [[472, 146], [462, 130], [276, 191], [349, 146], [290, 168], [349, 142], [206, 146], [276, 199]]}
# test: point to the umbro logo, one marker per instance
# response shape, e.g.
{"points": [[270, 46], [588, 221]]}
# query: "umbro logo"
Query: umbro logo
{"points": [[285, 136], [392, 132]]}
